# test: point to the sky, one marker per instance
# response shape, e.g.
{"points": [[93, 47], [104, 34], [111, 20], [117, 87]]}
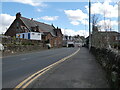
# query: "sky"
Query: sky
{"points": [[71, 16]]}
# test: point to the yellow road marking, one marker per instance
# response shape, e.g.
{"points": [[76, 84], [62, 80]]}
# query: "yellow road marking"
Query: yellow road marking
{"points": [[34, 78], [30, 79]]}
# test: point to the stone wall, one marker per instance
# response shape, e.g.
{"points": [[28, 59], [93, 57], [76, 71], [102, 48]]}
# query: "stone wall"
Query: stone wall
{"points": [[14, 46], [110, 61], [16, 49]]}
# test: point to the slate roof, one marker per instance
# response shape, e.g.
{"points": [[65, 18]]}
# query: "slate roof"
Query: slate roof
{"points": [[42, 26], [109, 32]]}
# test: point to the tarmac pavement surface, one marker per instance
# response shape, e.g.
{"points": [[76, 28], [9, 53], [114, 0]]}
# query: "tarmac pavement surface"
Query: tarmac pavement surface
{"points": [[80, 71]]}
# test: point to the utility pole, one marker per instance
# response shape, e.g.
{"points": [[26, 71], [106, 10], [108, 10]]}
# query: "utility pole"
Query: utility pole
{"points": [[89, 25]]}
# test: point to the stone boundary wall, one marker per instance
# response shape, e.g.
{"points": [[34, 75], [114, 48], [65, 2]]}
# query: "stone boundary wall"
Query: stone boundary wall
{"points": [[14, 45], [110, 61], [16, 49]]}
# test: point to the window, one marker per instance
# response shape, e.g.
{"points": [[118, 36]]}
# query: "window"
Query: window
{"points": [[33, 34], [23, 36], [118, 38], [23, 28], [17, 29]]}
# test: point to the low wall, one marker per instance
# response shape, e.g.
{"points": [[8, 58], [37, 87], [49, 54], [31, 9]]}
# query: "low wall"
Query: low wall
{"points": [[16, 49], [110, 61], [14, 45]]}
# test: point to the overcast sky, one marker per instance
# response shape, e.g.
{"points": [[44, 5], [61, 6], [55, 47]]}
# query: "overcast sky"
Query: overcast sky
{"points": [[71, 17]]}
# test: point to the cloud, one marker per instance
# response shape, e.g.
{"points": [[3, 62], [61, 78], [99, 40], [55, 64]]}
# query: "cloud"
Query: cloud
{"points": [[72, 0], [107, 24], [39, 10], [75, 22], [104, 8], [49, 18], [29, 2], [76, 16], [6, 20], [71, 32], [84, 22]]}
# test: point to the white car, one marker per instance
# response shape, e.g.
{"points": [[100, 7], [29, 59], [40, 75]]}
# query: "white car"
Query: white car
{"points": [[49, 45], [1, 47]]}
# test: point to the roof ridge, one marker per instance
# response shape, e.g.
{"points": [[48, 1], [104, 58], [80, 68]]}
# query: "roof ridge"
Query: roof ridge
{"points": [[110, 31], [43, 23], [25, 18], [37, 21]]}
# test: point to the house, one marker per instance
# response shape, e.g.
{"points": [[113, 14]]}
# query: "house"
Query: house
{"points": [[73, 41], [68, 41], [27, 27], [105, 38]]}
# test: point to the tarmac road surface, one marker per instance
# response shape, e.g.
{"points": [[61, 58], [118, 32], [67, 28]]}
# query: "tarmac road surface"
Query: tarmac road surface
{"points": [[18, 67]]}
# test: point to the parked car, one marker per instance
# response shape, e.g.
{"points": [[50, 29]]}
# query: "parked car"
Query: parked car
{"points": [[1, 47], [48, 45]]}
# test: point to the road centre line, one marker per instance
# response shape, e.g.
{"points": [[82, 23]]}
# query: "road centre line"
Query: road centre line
{"points": [[24, 84]]}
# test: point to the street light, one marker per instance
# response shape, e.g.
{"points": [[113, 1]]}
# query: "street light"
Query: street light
{"points": [[89, 25]]}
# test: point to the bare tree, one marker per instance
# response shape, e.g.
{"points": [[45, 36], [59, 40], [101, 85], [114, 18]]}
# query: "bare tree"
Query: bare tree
{"points": [[95, 27], [95, 20]]}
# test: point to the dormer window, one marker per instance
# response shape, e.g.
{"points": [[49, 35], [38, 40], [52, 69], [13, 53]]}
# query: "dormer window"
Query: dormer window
{"points": [[23, 28], [33, 29], [17, 28]]}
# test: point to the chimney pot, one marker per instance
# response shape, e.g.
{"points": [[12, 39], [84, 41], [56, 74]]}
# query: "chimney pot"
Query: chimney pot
{"points": [[18, 15]]}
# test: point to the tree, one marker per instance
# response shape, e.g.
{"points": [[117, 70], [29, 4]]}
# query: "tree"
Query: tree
{"points": [[95, 20], [96, 37]]}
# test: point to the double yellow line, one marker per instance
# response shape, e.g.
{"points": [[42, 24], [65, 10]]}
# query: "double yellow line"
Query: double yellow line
{"points": [[24, 84]]}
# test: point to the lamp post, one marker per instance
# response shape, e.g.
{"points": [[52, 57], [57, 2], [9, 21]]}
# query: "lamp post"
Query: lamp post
{"points": [[89, 25]]}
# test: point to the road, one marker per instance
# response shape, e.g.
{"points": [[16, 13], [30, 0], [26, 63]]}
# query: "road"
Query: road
{"points": [[16, 68], [80, 71]]}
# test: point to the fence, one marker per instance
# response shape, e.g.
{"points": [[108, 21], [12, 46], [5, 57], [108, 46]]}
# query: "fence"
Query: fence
{"points": [[110, 61]]}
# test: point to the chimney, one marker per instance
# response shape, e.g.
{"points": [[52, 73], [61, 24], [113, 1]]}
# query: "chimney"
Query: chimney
{"points": [[37, 28], [53, 26], [18, 15], [31, 19]]}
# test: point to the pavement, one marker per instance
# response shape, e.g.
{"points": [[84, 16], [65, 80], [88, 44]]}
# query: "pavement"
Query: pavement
{"points": [[17, 68], [79, 71]]}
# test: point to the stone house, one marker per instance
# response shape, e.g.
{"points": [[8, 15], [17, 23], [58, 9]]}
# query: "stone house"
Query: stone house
{"points": [[73, 41], [50, 34], [105, 38]]}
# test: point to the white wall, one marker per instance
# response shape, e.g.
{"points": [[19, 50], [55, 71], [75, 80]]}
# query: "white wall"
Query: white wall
{"points": [[33, 35], [21, 35]]}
